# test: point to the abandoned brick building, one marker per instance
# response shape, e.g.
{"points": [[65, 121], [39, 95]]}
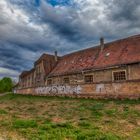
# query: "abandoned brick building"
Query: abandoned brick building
{"points": [[107, 70]]}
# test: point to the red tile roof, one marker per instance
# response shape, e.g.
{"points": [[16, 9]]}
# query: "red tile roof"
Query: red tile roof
{"points": [[124, 51]]}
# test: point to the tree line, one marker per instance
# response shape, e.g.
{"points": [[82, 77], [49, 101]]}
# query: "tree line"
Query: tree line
{"points": [[6, 85]]}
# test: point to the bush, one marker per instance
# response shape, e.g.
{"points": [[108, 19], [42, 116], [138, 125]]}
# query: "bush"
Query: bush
{"points": [[6, 85]]}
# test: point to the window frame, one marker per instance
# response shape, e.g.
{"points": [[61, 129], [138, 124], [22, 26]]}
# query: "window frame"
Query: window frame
{"points": [[90, 81], [66, 81], [119, 71], [49, 83]]}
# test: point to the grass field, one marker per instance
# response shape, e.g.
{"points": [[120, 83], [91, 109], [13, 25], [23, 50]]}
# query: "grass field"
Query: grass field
{"points": [[54, 118]]}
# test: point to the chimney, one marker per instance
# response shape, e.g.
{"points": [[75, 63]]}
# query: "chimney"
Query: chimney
{"points": [[56, 57], [102, 43]]}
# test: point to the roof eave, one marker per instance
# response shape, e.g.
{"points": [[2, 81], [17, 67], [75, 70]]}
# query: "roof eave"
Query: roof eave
{"points": [[93, 69]]}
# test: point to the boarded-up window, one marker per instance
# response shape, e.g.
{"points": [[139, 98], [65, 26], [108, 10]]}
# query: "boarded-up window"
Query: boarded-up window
{"points": [[66, 80], [89, 79], [49, 82], [119, 75]]}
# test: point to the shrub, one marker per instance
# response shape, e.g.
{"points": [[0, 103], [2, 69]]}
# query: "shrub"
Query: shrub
{"points": [[6, 85]]}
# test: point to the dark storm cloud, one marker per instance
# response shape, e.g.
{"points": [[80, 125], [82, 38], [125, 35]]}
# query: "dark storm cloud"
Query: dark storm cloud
{"points": [[30, 28], [125, 10], [13, 57], [125, 16], [81, 24], [66, 22]]}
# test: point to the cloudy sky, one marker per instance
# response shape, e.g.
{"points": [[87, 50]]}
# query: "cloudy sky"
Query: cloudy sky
{"points": [[29, 28]]}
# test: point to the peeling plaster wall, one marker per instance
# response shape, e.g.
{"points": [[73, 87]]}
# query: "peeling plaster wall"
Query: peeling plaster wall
{"points": [[102, 87], [134, 71]]}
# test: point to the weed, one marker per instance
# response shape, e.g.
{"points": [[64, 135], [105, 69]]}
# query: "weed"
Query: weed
{"points": [[4, 123], [97, 107], [3, 111], [32, 110], [24, 124], [97, 135], [97, 110], [83, 118], [81, 108], [64, 125], [84, 124], [111, 112]]}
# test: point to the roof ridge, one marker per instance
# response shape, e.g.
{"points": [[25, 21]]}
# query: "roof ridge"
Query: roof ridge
{"points": [[97, 46], [126, 54], [85, 49]]}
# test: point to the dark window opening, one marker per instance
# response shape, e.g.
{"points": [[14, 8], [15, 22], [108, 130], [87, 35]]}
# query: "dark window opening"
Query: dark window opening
{"points": [[119, 76], [66, 80], [49, 82], [89, 79]]}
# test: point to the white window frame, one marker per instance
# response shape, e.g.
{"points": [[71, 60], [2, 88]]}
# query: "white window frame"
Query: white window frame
{"points": [[118, 71]]}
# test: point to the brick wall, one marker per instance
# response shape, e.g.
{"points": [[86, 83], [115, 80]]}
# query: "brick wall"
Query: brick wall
{"points": [[103, 85], [101, 90]]}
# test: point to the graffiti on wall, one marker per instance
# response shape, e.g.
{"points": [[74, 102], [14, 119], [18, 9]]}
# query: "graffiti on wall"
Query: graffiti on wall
{"points": [[59, 90], [116, 87], [100, 88]]}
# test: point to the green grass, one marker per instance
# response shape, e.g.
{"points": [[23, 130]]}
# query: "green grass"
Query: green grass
{"points": [[3, 111], [24, 124], [55, 118]]}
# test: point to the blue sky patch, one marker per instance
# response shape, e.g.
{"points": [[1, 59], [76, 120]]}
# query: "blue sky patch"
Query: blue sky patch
{"points": [[37, 2], [59, 2]]}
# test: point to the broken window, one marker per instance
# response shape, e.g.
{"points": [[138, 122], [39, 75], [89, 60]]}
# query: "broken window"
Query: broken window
{"points": [[119, 75], [66, 80], [49, 82], [89, 79]]}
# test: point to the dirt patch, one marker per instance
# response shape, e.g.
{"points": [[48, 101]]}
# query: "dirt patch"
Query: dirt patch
{"points": [[10, 136], [57, 120]]}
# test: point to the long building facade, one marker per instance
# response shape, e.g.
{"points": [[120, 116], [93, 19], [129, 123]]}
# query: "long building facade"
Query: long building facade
{"points": [[109, 70]]}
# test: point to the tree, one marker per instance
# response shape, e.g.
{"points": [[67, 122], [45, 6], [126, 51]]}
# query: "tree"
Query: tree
{"points": [[6, 85]]}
